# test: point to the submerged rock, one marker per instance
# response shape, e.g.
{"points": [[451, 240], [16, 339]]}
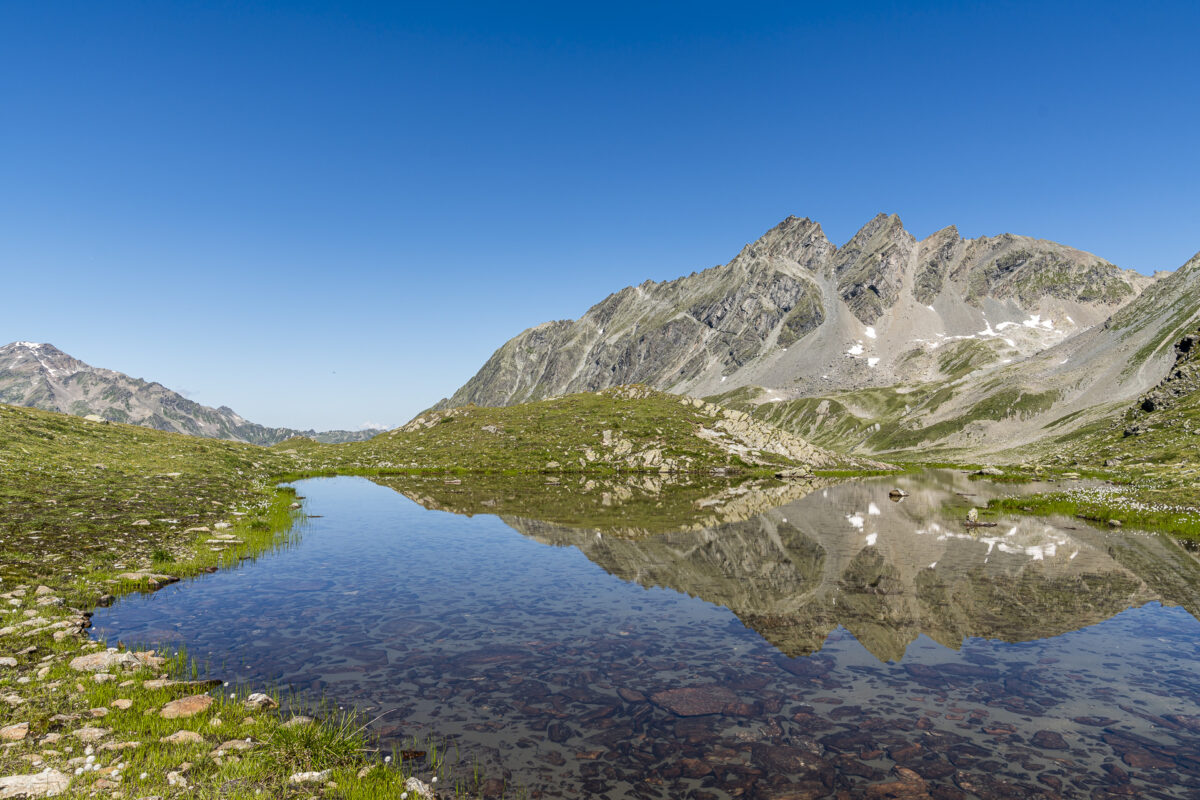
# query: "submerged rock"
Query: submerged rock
{"points": [[694, 701]]}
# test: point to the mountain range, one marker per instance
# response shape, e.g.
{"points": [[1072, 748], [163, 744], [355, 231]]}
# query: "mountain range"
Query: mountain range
{"points": [[883, 344], [42, 376]]}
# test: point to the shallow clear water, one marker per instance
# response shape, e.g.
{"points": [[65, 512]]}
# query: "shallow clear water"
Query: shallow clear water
{"points": [[835, 643]]}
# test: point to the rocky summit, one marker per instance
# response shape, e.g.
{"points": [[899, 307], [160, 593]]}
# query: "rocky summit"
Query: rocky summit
{"points": [[798, 315], [886, 344], [37, 375]]}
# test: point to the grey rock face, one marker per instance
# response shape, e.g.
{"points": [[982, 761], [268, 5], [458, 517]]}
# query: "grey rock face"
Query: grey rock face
{"points": [[798, 316], [42, 376], [870, 267]]}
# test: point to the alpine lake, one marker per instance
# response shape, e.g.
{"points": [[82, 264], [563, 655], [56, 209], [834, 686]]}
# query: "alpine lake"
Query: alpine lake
{"points": [[643, 638]]}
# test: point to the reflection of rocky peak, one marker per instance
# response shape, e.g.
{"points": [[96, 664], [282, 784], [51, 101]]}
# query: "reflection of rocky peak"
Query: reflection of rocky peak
{"points": [[847, 556]]}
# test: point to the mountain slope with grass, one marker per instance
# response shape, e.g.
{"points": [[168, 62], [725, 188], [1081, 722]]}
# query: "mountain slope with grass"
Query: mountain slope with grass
{"points": [[623, 429], [798, 316], [980, 407], [39, 375]]}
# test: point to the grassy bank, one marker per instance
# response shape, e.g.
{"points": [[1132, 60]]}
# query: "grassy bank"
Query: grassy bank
{"points": [[1146, 500], [629, 429], [1149, 458], [90, 511]]}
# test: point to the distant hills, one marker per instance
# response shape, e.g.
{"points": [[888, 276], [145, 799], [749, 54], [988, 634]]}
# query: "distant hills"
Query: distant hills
{"points": [[885, 344], [42, 376]]}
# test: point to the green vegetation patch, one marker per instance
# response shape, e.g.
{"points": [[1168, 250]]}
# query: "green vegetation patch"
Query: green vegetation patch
{"points": [[805, 317], [1146, 507], [628, 429]]}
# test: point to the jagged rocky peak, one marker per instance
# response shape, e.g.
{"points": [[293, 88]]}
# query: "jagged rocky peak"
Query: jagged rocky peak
{"points": [[936, 257], [797, 315], [870, 268], [795, 239], [44, 354]]}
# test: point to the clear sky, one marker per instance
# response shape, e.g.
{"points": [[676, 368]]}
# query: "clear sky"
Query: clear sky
{"points": [[327, 214]]}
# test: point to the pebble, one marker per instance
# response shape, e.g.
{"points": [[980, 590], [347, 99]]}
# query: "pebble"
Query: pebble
{"points": [[182, 737], [312, 777]]}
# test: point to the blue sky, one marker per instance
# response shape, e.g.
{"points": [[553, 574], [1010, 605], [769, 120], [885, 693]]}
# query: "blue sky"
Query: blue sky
{"points": [[327, 214]]}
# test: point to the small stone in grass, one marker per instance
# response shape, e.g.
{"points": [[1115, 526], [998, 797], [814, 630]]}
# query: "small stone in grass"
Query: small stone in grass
{"points": [[259, 701], [419, 789], [14, 733], [48, 783], [182, 737], [309, 777], [186, 706], [90, 734], [298, 720], [233, 745]]}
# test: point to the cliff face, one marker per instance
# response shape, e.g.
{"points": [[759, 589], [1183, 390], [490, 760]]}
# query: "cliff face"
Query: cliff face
{"points": [[797, 315]]}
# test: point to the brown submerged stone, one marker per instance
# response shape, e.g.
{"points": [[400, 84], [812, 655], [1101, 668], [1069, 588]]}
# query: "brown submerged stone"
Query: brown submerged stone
{"points": [[1050, 740], [694, 701]]}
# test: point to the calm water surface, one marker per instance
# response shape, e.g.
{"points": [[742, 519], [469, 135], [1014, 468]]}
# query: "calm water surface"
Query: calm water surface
{"points": [[794, 642]]}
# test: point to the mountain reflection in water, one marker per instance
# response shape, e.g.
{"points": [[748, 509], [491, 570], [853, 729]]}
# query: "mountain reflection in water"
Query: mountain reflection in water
{"points": [[879, 648]]}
